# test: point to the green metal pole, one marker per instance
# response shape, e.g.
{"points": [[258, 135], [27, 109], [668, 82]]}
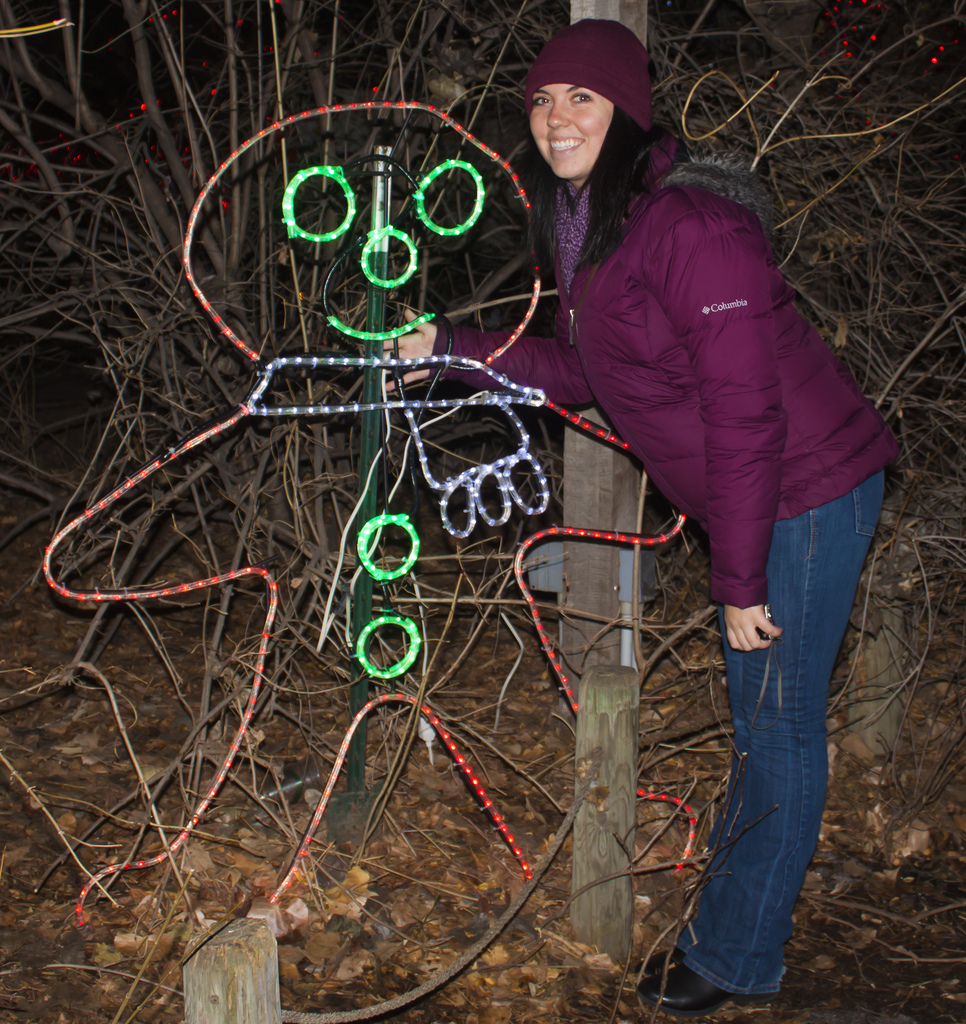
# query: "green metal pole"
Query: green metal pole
{"points": [[368, 489]]}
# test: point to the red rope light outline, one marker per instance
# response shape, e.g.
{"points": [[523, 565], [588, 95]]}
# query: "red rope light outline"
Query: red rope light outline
{"points": [[204, 434], [470, 776]]}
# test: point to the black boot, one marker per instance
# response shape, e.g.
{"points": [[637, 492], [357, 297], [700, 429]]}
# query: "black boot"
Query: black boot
{"points": [[687, 993], [655, 964]]}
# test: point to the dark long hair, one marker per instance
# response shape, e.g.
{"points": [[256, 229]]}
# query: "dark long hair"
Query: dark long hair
{"points": [[619, 173]]}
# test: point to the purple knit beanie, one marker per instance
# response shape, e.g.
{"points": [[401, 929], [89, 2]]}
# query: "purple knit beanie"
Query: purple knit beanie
{"points": [[601, 55]]}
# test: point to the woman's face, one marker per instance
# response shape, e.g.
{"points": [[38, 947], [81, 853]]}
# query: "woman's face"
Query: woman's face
{"points": [[568, 124]]}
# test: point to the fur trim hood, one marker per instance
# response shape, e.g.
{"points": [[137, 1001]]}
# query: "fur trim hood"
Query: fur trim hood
{"points": [[727, 175]]}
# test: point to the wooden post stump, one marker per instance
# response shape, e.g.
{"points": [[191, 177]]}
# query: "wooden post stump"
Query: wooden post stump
{"points": [[608, 719], [233, 978], [875, 715]]}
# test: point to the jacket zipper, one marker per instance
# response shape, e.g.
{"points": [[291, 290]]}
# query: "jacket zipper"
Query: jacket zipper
{"points": [[580, 301]]}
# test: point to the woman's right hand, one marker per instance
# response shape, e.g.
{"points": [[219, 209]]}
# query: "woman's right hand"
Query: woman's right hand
{"points": [[416, 345], [749, 629]]}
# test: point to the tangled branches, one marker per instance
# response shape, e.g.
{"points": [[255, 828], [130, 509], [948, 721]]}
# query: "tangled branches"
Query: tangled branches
{"points": [[113, 125]]}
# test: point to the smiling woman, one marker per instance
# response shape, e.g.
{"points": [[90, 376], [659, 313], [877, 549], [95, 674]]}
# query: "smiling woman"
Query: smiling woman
{"points": [[569, 124], [676, 320]]}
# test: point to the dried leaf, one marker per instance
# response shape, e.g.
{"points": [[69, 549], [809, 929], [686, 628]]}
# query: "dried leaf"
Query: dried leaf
{"points": [[298, 913], [13, 855], [322, 947], [290, 954], [353, 965], [348, 899], [197, 858], [104, 955], [245, 862], [854, 745], [260, 848], [131, 944], [405, 912], [822, 962], [288, 972], [278, 923], [496, 955], [918, 839], [495, 1015]]}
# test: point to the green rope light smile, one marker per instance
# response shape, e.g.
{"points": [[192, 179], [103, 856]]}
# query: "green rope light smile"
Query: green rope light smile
{"points": [[288, 204], [401, 666], [375, 237], [420, 197], [394, 332], [362, 545]]}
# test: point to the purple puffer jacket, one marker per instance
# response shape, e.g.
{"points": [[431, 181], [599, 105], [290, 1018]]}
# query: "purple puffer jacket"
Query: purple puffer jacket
{"points": [[688, 338]]}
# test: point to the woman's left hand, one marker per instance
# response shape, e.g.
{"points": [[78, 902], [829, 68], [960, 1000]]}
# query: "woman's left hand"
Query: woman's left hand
{"points": [[742, 625], [416, 345]]}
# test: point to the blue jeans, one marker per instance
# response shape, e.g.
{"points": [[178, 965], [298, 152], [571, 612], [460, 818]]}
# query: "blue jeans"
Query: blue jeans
{"points": [[776, 793]]}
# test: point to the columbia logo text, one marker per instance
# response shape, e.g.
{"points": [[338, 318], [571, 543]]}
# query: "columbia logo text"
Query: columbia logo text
{"points": [[717, 307]]}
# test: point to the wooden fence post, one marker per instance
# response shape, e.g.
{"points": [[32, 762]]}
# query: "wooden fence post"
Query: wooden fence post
{"points": [[233, 977], [875, 712], [608, 718], [601, 484]]}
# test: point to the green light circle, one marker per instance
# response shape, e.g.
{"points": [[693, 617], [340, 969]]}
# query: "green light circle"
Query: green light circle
{"points": [[362, 546], [375, 237], [401, 666], [288, 204], [420, 197]]}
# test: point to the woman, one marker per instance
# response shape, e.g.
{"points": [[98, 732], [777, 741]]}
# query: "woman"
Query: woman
{"points": [[675, 318]]}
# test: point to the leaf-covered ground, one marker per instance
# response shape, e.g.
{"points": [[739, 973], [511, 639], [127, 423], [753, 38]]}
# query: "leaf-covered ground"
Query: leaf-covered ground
{"points": [[881, 935]]}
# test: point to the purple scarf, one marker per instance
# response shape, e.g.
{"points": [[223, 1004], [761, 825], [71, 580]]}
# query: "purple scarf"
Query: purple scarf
{"points": [[572, 220]]}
